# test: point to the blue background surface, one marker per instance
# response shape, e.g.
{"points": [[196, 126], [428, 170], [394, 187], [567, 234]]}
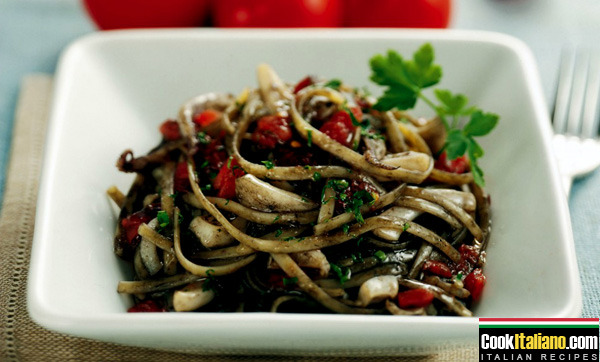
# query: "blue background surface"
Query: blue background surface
{"points": [[34, 32]]}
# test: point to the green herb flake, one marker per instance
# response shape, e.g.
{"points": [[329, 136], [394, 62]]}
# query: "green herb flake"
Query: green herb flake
{"points": [[163, 219], [380, 255], [309, 138], [333, 83], [346, 228], [203, 138], [275, 219], [290, 281], [229, 160], [307, 167], [342, 273], [278, 233], [406, 226], [317, 176], [268, 164], [459, 276], [204, 164]]}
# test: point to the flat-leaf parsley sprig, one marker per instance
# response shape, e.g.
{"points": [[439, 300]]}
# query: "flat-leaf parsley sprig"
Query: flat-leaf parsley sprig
{"points": [[405, 81]]}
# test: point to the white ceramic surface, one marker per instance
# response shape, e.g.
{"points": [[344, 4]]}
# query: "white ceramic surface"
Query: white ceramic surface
{"points": [[114, 89]]}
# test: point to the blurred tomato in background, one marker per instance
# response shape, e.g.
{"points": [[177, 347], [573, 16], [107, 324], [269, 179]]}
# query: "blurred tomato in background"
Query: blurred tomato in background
{"points": [[397, 13], [277, 13], [122, 14]]}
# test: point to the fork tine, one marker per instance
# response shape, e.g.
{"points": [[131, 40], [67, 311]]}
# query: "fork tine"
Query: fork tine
{"points": [[563, 90], [582, 61], [591, 118]]}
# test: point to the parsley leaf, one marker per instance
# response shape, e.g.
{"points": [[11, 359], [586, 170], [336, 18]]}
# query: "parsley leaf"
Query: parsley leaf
{"points": [[405, 78], [333, 83], [480, 124], [405, 81]]}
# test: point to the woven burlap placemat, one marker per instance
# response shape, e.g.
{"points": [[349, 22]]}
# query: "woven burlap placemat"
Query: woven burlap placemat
{"points": [[22, 339]]}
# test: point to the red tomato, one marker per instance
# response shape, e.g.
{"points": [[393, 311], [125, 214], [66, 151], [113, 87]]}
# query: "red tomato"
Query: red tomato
{"points": [[397, 13], [181, 181], [415, 298], [207, 117], [146, 306], [170, 130], [225, 180], [437, 268], [277, 13], [340, 128], [271, 131], [474, 283], [458, 165], [122, 14]]}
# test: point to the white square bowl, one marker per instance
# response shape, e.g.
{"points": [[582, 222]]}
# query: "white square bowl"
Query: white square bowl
{"points": [[114, 89]]}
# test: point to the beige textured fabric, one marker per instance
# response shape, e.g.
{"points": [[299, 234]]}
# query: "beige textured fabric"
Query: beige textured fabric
{"points": [[21, 338]]}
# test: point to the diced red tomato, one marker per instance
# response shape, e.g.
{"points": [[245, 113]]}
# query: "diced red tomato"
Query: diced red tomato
{"points": [[437, 268], [181, 181], [271, 131], [146, 306], [458, 165], [170, 130], [132, 222], [303, 84], [468, 259], [207, 117], [225, 180], [340, 128], [415, 298], [215, 153], [474, 283]]}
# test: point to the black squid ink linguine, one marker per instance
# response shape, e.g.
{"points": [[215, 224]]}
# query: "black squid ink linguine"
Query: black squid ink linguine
{"points": [[312, 198]]}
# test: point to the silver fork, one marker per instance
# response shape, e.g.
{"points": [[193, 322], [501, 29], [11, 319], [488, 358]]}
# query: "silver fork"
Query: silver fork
{"points": [[576, 115]]}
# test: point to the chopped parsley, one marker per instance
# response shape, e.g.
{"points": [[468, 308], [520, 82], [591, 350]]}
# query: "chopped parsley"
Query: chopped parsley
{"points": [[275, 219], [346, 228], [317, 176], [278, 233], [163, 220], [380, 255], [268, 164], [405, 81], [406, 226], [290, 281], [204, 164], [309, 138], [358, 199], [459, 276], [357, 258], [289, 238], [342, 273], [203, 138]]}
